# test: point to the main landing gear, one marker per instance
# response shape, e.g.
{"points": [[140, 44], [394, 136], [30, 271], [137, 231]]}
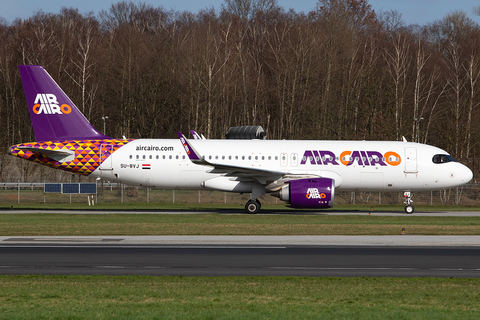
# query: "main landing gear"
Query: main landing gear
{"points": [[408, 202], [253, 206]]}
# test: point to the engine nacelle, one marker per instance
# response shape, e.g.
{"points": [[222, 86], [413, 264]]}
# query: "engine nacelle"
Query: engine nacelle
{"points": [[308, 193]]}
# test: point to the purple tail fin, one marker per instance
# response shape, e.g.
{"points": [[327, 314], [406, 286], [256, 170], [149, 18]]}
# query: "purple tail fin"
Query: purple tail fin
{"points": [[53, 114]]}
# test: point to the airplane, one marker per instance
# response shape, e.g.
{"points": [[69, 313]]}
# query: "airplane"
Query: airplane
{"points": [[304, 174]]}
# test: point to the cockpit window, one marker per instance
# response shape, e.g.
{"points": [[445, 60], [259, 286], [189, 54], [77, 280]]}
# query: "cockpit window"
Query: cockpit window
{"points": [[442, 158]]}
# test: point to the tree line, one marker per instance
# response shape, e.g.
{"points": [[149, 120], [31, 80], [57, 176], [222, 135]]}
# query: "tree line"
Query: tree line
{"points": [[341, 71]]}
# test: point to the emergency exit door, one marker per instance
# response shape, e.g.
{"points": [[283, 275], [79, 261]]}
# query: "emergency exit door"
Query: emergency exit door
{"points": [[411, 160]]}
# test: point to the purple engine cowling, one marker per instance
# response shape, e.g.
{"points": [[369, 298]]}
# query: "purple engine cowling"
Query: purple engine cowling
{"points": [[308, 193]]}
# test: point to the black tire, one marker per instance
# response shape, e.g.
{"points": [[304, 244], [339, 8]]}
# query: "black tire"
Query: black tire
{"points": [[409, 209], [252, 207]]}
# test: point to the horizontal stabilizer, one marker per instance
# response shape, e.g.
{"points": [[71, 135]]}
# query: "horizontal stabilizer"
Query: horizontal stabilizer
{"points": [[62, 155]]}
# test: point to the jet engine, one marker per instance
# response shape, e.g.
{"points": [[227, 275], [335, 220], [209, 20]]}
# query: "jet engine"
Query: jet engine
{"points": [[308, 193]]}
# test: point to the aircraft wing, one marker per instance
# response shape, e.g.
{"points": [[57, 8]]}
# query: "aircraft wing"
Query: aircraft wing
{"points": [[272, 179], [61, 155]]}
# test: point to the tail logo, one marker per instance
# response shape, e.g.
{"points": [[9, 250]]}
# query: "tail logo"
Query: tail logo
{"points": [[47, 103]]}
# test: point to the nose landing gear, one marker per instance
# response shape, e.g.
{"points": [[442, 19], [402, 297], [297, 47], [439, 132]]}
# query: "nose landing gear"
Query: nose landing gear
{"points": [[408, 202]]}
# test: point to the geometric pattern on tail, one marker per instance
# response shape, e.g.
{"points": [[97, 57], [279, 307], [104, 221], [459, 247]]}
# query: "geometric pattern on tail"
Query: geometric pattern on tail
{"points": [[87, 153]]}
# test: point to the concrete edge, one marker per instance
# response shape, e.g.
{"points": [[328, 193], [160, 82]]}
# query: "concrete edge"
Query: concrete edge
{"points": [[399, 240]]}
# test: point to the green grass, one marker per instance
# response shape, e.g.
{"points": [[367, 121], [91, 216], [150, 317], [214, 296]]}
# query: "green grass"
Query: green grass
{"points": [[135, 297], [231, 224]]}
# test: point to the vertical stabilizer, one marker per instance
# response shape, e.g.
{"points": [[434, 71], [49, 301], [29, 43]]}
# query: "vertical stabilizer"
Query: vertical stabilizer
{"points": [[53, 114]]}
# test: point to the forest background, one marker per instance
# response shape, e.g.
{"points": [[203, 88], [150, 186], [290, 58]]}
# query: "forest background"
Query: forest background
{"points": [[339, 72]]}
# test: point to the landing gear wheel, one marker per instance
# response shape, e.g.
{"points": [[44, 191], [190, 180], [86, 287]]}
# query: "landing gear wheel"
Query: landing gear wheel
{"points": [[407, 195], [409, 209], [252, 206]]}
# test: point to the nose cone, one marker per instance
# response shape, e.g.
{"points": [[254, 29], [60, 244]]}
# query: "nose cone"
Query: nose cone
{"points": [[465, 174]]}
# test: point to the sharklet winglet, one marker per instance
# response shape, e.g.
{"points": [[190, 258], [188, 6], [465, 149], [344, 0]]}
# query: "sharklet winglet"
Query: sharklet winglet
{"points": [[195, 135], [193, 155]]}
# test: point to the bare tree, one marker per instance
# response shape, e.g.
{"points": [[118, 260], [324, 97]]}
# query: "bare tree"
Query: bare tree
{"points": [[418, 94], [246, 9], [398, 61], [86, 36], [473, 75]]}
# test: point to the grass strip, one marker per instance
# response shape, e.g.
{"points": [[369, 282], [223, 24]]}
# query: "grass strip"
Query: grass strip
{"points": [[227, 224], [139, 297], [235, 208]]}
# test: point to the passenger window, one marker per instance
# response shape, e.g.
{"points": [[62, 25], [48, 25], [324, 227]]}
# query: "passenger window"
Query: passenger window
{"points": [[130, 157], [143, 157], [158, 157], [163, 157], [170, 157], [150, 156], [138, 156]]}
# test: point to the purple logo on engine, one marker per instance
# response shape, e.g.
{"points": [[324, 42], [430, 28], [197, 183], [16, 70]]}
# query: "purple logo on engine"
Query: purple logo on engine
{"points": [[311, 193]]}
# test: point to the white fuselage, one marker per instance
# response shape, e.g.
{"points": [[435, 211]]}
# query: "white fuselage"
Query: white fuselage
{"points": [[354, 165]]}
